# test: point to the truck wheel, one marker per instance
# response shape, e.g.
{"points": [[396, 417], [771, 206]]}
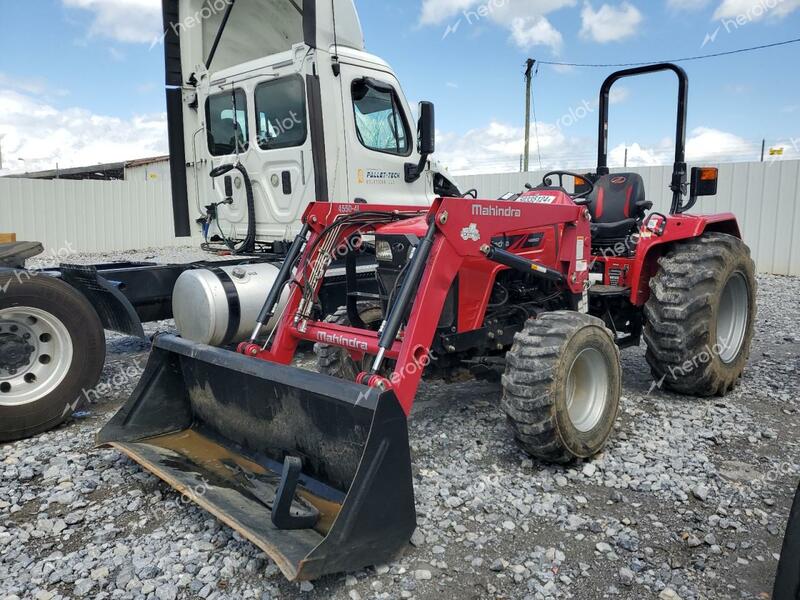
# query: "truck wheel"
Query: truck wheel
{"points": [[562, 386], [336, 361], [701, 315], [52, 348]]}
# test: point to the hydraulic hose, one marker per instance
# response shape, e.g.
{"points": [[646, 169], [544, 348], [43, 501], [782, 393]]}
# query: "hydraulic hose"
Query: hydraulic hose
{"points": [[394, 320]]}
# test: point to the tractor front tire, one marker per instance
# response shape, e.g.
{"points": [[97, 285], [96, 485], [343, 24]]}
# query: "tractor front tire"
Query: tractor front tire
{"points": [[336, 361], [562, 386], [700, 317]]}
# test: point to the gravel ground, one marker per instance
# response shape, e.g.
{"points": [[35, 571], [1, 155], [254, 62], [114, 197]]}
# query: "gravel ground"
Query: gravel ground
{"points": [[689, 499]]}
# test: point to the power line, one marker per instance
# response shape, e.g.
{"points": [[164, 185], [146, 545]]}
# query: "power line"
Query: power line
{"points": [[674, 60]]}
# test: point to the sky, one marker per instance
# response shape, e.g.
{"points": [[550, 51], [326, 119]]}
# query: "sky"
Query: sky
{"points": [[81, 81]]}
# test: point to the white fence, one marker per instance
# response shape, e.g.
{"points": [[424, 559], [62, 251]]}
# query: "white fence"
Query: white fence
{"points": [[89, 216], [764, 197]]}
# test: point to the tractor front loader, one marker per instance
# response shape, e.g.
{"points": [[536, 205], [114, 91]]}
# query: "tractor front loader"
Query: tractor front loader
{"points": [[538, 291]]}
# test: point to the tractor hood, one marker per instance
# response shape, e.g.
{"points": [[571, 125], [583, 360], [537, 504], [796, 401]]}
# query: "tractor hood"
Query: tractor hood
{"points": [[255, 29]]}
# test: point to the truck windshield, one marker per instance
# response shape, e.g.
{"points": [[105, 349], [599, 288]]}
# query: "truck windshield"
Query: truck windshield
{"points": [[380, 123]]}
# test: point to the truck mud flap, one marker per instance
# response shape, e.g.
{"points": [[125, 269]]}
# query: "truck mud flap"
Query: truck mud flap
{"points": [[114, 309], [314, 470]]}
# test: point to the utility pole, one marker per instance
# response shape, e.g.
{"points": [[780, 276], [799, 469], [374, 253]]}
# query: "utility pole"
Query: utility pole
{"points": [[763, 148], [528, 80], [626, 157]]}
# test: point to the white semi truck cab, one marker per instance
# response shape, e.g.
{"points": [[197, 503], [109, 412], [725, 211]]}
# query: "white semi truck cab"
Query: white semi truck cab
{"points": [[284, 91]]}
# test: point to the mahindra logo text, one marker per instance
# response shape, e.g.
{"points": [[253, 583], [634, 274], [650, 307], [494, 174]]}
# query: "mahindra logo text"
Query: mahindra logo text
{"points": [[339, 340], [495, 211]]}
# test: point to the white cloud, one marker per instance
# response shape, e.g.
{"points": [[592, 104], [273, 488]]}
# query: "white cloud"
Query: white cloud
{"points": [[31, 85], [618, 94], [706, 143], [44, 136], [136, 21], [524, 19], [436, 11], [610, 23], [497, 147], [535, 31], [755, 10], [687, 4]]}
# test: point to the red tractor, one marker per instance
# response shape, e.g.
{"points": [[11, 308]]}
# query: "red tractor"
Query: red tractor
{"points": [[538, 291]]}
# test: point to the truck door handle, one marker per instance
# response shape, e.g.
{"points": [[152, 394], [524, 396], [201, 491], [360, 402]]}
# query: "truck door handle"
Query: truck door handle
{"points": [[287, 182]]}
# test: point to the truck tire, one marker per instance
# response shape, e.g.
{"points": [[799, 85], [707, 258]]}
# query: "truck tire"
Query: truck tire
{"points": [[700, 317], [787, 582], [562, 386], [336, 361], [52, 349]]}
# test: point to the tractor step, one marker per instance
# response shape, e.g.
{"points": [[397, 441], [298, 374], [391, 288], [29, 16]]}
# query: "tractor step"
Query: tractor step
{"points": [[609, 291]]}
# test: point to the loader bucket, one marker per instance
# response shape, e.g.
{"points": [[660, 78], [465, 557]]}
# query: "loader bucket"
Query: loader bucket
{"points": [[314, 470]]}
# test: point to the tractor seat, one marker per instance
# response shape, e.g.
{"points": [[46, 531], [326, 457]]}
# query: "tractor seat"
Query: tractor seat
{"points": [[617, 205]]}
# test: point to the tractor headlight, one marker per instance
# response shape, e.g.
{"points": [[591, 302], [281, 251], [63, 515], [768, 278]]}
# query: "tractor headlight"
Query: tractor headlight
{"points": [[383, 251]]}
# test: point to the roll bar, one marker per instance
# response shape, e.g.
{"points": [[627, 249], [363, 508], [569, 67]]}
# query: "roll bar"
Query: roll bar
{"points": [[678, 185]]}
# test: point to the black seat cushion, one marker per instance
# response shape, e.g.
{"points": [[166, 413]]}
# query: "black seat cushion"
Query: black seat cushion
{"points": [[617, 205]]}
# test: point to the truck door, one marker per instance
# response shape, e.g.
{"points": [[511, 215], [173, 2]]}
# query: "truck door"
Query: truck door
{"points": [[380, 134], [269, 132]]}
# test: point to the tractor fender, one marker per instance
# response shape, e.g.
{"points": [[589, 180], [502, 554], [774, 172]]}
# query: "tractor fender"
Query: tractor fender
{"points": [[679, 228]]}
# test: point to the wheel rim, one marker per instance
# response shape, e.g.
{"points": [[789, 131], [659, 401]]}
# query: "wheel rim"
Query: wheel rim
{"points": [[35, 354], [587, 389], [732, 318]]}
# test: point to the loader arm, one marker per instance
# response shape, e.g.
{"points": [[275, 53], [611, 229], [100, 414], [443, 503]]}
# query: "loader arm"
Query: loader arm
{"points": [[452, 249]]}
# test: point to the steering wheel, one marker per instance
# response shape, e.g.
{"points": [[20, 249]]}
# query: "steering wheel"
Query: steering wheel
{"points": [[561, 174]]}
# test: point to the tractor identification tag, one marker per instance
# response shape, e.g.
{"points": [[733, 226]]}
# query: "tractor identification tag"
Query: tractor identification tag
{"points": [[538, 199]]}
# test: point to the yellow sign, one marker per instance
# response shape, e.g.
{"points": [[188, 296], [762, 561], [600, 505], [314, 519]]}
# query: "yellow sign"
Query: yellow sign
{"points": [[776, 151]]}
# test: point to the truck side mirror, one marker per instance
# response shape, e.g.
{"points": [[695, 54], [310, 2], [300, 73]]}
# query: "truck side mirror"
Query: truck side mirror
{"points": [[426, 129], [426, 141]]}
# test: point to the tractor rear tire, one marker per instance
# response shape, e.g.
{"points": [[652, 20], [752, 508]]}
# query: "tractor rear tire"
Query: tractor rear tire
{"points": [[700, 317], [787, 581], [562, 386], [52, 351], [336, 361]]}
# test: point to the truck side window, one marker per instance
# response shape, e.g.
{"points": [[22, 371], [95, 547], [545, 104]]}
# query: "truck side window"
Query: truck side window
{"points": [[227, 126], [380, 122], [281, 113]]}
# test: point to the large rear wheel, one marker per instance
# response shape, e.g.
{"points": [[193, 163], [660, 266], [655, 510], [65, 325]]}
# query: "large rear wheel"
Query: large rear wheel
{"points": [[701, 315], [787, 581], [562, 386], [52, 350]]}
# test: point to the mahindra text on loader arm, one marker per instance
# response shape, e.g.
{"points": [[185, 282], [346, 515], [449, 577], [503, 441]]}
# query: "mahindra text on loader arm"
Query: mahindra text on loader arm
{"points": [[315, 468]]}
